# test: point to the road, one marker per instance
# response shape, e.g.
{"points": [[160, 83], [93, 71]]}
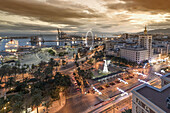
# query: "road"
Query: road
{"points": [[156, 82], [79, 103]]}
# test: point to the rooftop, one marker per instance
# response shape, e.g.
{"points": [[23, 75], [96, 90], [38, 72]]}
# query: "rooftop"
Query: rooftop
{"points": [[135, 49], [155, 95], [145, 35], [166, 77]]}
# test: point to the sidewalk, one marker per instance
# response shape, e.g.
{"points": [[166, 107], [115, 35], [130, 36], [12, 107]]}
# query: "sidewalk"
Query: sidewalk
{"points": [[56, 106]]}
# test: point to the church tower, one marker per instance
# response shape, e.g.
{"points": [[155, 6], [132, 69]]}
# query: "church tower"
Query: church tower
{"points": [[145, 41], [145, 31]]}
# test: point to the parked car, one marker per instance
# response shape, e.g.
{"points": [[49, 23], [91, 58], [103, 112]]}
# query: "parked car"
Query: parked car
{"points": [[112, 83], [107, 85], [100, 88]]}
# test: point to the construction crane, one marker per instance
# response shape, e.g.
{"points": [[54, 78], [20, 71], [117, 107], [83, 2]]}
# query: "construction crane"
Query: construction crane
{"points": [[61, 34]]}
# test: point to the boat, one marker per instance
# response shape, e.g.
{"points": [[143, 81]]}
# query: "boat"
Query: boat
{"points": [[12, 46]]}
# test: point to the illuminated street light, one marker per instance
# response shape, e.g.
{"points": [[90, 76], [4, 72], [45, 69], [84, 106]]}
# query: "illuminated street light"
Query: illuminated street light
{"points": [[158, 74], [144, 65], [143, 81], [97, 90], [29, 86], [141, 74], [122, 81], [162, 71], [123, 92]]}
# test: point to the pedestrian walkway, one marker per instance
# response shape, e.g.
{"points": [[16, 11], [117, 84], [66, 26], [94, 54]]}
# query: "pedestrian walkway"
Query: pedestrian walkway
{"points": [[55, 107]]}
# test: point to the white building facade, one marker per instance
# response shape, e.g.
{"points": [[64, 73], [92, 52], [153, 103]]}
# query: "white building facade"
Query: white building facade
{"points": [[145, 41], [141, 53], [134, 54]]}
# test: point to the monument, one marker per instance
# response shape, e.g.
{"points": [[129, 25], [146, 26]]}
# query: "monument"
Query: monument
{"points": [[105, 68]]}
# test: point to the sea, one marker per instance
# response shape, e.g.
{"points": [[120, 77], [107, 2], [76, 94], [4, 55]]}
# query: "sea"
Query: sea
{"points": [[26, 42]]}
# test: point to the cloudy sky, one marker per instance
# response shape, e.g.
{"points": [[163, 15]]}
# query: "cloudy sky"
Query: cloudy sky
{"points": [[108, 16]]}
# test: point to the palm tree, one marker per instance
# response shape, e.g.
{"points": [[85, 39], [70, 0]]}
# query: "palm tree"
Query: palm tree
{"points": [[14, 69], [48, 104], [76, 57], [27, 101], [32, 66], [51, 62], [23, 71], [36, 98], [42, 64], [17, 103], [48, 71], [10, 82], [57, 64], [4, 72], [18, 64], [37, 73]]}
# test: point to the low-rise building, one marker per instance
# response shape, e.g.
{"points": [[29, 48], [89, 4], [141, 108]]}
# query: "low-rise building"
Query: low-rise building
{"points": [[115, 53]]}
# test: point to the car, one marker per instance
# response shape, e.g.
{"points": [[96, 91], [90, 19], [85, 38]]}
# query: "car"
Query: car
{"points": [[127, 78], [93, 91], [78, 89], [131, 76], [117, 81], [107, 85], [100, 88], [112, 83]]}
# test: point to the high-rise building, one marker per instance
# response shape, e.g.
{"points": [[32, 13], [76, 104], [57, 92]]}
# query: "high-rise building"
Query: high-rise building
{"points": [[141, 53], [145, 41]]}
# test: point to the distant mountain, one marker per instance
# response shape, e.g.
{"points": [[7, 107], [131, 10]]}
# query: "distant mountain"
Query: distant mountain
{"points": [[158, 31]]}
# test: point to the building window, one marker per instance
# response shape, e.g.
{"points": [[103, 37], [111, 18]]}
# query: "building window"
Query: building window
{"points": [[147, 109]]}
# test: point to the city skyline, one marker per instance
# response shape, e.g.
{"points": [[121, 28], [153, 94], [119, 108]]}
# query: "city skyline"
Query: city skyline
{"points": [[84, 56], [110, 16]]}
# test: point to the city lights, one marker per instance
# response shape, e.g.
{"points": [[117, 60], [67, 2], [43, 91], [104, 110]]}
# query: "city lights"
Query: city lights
{"points": [[123, 92], [122, 81], [143, 81], [84, 56], [144, 65], [158, 74], [162, 71], [141, 74], [97, 90]]}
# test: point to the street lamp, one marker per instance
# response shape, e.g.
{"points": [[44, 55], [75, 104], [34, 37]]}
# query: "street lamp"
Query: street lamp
{"points": [[4, 109], [29, 86]]}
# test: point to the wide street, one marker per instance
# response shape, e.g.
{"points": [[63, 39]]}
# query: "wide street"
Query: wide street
{"points": [[81, 103]]}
